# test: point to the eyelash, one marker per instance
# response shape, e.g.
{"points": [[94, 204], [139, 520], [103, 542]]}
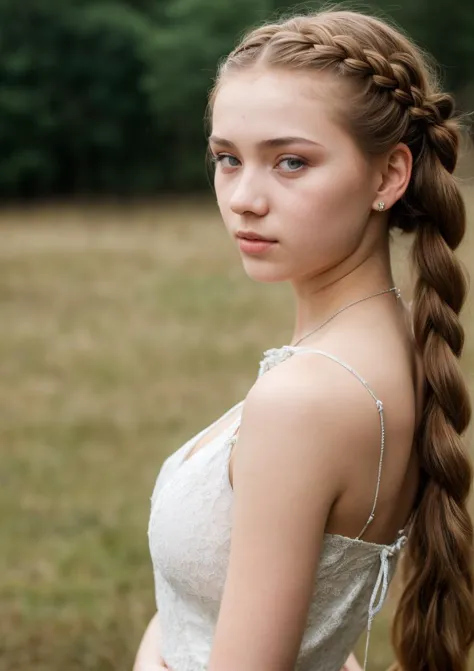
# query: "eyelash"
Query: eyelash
{"points": [[218, 158]]}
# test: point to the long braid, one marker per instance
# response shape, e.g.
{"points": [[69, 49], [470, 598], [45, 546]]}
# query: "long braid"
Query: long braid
{"points": [[396, 100], [439, 557]]}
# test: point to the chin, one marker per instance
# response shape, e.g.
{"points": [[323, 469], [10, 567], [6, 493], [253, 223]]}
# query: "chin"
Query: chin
{"points": [[264, 272]]}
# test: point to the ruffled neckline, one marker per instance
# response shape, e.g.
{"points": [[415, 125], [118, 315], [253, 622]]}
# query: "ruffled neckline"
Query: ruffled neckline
{"points": [[273, 356]]}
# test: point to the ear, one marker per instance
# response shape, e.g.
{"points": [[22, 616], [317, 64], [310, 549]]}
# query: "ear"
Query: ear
{"points": [[395, 174]]}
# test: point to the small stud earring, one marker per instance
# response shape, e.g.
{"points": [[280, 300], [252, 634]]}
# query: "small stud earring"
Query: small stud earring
{"points": [[380, 206]]}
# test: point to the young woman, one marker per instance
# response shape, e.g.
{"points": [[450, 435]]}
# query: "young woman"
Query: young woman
{"points": [[275, 532]]}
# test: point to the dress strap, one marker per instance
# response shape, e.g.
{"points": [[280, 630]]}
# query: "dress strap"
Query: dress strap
{"points": [[379, 405], [380, 590], [192, 442]]}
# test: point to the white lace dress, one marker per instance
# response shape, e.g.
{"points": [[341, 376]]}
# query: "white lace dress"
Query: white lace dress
{"points": [[189, 536]]}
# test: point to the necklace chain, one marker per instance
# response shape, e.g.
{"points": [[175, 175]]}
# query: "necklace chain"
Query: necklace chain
{"points": [[379, 293]]}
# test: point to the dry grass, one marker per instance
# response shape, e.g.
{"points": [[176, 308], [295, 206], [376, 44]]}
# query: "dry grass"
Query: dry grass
{"points": [[124, 330]]}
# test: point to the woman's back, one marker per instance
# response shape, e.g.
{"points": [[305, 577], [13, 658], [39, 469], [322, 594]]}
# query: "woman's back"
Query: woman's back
{"points": [[381, 348]]}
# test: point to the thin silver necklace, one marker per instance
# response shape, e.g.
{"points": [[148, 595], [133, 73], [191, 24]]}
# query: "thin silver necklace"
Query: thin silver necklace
{"points": [[379, 293]]}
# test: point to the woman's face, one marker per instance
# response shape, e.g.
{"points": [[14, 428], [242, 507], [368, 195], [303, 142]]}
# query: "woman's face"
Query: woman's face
{"points": [[288, 170]]}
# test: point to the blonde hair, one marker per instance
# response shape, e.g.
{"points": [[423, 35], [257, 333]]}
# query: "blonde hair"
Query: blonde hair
{"points": [[396, 99]]}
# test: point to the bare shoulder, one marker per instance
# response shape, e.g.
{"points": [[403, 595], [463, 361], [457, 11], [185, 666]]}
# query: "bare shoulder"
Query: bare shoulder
{"points": [[309, 414], [312, 417], [312, 381]]}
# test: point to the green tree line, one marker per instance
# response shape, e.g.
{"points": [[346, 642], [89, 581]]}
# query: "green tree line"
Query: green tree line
{"points": [[108, 96]]}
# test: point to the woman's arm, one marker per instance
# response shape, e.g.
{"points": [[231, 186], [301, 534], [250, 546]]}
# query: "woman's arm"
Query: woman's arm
{"points": [[285, 485], [148, 656]]}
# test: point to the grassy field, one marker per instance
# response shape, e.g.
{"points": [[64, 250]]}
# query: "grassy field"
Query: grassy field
{"points": [[124, 330]]}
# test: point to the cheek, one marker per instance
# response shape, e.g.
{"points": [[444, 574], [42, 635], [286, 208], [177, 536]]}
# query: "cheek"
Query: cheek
{"points": [[221, 188], [329, 210]]}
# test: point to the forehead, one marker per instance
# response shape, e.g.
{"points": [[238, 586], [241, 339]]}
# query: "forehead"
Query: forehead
{"points": [[263, 102]]}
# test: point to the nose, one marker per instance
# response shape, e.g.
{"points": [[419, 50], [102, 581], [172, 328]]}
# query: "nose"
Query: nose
{"points": [[248, 198]]}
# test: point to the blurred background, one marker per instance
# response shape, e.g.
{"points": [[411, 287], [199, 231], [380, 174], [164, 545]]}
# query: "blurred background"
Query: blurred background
{"points": [[127, 321]]}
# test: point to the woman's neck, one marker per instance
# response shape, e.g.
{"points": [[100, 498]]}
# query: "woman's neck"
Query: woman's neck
{"points": [[319, 298]]}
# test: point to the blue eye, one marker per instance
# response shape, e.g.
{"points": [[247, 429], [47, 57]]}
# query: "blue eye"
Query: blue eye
{"points": [[219, 158], [294, 164]]}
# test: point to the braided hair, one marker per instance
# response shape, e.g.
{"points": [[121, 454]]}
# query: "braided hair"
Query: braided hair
{"points": [[397, 99]]}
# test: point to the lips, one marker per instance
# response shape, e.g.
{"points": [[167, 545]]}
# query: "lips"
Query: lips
{"points": [[248, 235]]}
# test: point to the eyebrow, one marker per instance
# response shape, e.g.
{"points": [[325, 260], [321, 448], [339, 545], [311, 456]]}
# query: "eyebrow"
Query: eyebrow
{"points": [[273, 142]]}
